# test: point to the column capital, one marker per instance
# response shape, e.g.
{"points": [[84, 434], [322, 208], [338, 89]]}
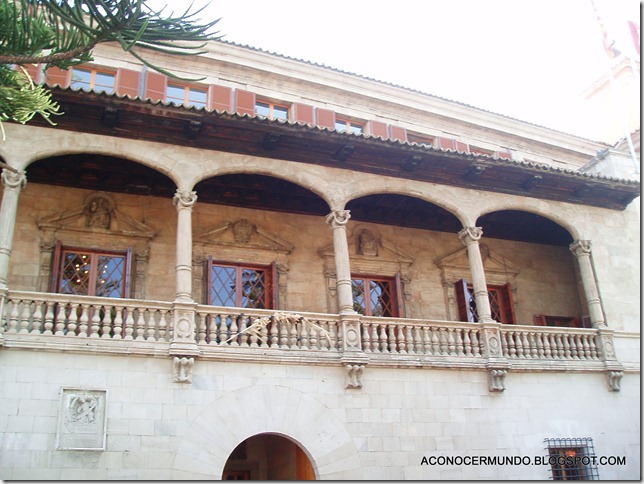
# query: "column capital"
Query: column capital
{"points": [[184, 199], [338, 218], [14, 179], [470, 234], [580, 247]]}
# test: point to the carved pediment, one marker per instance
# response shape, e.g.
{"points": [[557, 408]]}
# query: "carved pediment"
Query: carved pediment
{"points": [[369, 252], [98, 214], [243, 233], [498, 269]]}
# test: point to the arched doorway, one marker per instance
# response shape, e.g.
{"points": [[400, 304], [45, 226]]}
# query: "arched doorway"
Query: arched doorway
{"points": [[268, 457]]}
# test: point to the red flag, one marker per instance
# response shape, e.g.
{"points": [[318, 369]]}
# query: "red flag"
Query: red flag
{"points": [[635, 34], [609, 42]]}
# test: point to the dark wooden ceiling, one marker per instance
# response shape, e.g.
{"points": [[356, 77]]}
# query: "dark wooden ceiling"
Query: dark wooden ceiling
{"points": [[106, 173]]}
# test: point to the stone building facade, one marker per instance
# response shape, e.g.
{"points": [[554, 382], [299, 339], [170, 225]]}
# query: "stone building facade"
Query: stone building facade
{"points": [[284, 271]]}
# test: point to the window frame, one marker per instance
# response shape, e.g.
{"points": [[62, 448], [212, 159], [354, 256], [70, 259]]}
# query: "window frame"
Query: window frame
{"points": [[187, 89], [58, 270], [467, 305], [349, 125], [92, 81], [270, 286], [395, 283], [272, 106]]}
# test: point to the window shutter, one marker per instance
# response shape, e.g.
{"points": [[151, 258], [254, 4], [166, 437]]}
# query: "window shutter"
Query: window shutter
{"points": [[155, 86], [220, 98], [303, 113], [463, 301], [128, 274], [127, 82], [55, 270], [396, 132], [508, 304], [378, 129], [586, 322], [399, 296], [273, 286], [539, 320], [326, 118], [56, 76], [245, 102]]}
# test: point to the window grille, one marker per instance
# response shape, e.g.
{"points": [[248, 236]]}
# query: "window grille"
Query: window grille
{"points": [[572, 459]]}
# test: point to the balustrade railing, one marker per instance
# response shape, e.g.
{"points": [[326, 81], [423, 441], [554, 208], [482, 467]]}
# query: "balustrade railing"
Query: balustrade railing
{"points": [[114, 319], [254, 328], [86, 317], [400, 336], [548, 343]]}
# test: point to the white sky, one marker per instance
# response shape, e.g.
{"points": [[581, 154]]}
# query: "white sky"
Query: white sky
{"points": [[526, 59]]}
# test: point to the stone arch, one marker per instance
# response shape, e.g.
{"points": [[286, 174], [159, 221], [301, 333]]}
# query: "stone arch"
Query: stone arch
{"points": [[221, 426], [361, 189], [559, 219], [308, 179]]}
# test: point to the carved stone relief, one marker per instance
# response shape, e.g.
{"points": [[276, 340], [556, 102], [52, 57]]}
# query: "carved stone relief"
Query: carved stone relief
{"points": [[82, 422], [182, 369]]}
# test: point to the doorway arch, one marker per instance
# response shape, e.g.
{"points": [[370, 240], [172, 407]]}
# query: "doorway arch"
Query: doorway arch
{"points": [[268, 457]]}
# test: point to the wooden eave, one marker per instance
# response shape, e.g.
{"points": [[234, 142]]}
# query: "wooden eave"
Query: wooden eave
{"points": [[125, 117]]}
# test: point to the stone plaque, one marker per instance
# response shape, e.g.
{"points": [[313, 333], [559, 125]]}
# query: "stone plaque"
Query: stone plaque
{"points": [[82, 422]]}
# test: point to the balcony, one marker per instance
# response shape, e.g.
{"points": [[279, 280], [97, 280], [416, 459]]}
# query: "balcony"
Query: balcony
{"points": [[58, 322]]}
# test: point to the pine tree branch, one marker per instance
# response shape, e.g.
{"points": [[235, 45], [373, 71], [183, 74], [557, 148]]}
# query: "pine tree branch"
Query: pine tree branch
{"points": [[49, 58]]}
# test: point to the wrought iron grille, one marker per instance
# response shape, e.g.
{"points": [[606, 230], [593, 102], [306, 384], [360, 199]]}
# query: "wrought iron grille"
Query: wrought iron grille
{"points": [[572, 459]]}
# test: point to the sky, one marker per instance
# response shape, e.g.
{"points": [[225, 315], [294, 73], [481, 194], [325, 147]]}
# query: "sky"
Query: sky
{"points": [[527, 59]]}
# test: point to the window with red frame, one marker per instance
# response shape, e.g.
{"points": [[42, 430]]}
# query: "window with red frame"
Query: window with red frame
{"points": [[376, 296], [241, 285], [501, 302]]}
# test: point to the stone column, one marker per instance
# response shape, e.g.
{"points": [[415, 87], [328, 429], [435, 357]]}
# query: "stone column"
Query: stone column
{"points": [[184, 202], [338, 219], [13, 182], [184, 342], [581, 249], [470, 236]]}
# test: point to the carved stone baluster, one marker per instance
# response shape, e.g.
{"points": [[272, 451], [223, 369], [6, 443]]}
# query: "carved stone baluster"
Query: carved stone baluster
{"points": [[391, 339], [409, 338], [283, 333], [24, 316], [366, 338], [263, 336], [49, 318], [140, 324], [547, 353], [13, 317], [59, 319], [292, 334], [383, 338], [512, 349], [436, 342], [163, 325], [574, 351], [586, 346], [427, 340], [535, 344], [443, 341], [252, 335], [592, 343], [467, 342], [476, 347], [129, 323], [234, 329], [37, 322], [313, 336], [118, 322], [335, 339], [325, 344], [459, 341], [518, 343], [304, 335], [106, 321], [566, 346], [527, 348], [402, 343], [451, 343], [151, 326], [418, 340], [72, 320], [95, 328], [83, 320], [273, 338]]}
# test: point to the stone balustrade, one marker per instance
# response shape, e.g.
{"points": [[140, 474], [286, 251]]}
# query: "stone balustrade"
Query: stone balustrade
{"points": [[31, 319]]}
